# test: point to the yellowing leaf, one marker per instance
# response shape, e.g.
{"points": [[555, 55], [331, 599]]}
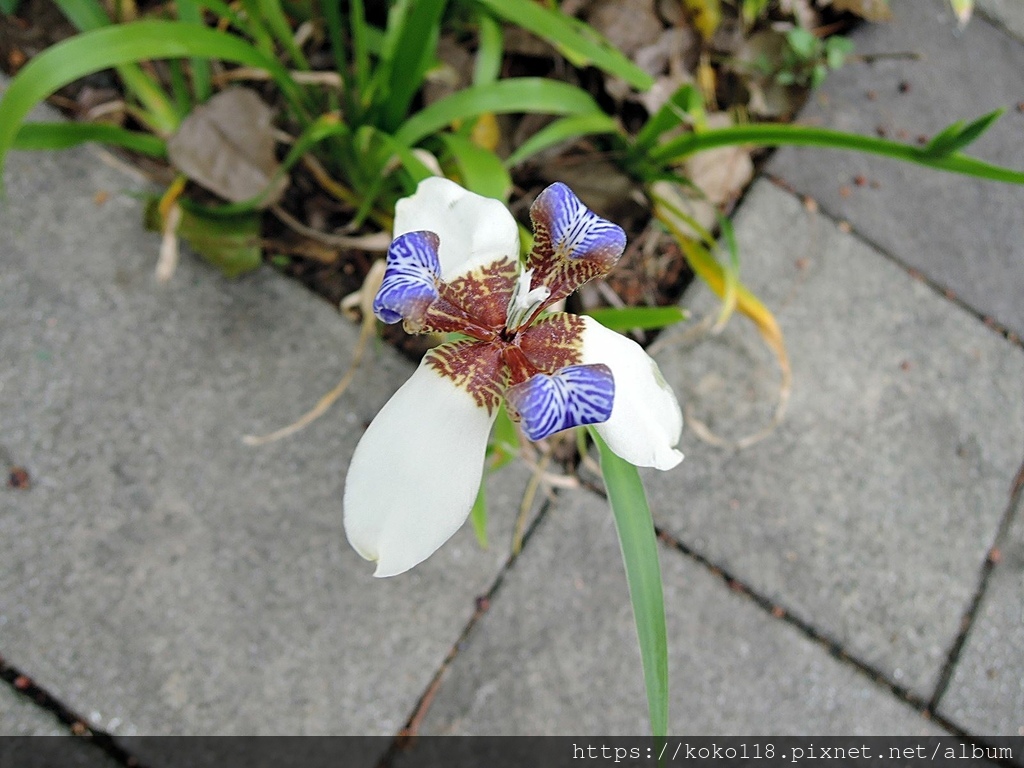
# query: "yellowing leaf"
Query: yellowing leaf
{"points": [[707, 81], [706, 15], [731, 289], [963, 10], [486, 132]]}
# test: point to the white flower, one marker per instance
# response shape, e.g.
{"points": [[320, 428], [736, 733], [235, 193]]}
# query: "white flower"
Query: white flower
{"points": [[454, 266]]}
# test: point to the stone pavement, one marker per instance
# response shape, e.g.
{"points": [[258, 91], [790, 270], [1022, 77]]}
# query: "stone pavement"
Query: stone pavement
{"points": [[858, 571]]}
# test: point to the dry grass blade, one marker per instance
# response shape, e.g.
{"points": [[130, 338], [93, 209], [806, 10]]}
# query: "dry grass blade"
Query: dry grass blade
{"points": [[241, 74], [170, 217], [747, 304], [707, 327], [524, 507], [704, 432], [167, 261], [378, 241], [369, 326], [540, 476]]}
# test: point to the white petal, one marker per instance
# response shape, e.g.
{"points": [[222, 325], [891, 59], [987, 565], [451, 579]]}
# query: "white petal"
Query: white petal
{"points": [[646, 422], [474, 230], [416, 471]]}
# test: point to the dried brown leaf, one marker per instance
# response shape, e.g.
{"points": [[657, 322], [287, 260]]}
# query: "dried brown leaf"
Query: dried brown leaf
{"points": [[628, 24], [676, 50], [662, 91], [769, 99], [227, 146], [872, 10], [723, 173], [802, 10]]}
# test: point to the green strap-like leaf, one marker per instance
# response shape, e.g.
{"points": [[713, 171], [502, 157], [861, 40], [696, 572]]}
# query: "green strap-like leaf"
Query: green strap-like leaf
{"points": [[643, 574], [772, 135], [111, 46], [957, 136], [409, 48], [562, 130], [272, 13], [482, 170], [63, 135], [490, 51], [645, 318], [730, 271], [88, 15], [579, 42], [190, 11], [523, 94], [685, 105], [360, 50], [84, 14]]}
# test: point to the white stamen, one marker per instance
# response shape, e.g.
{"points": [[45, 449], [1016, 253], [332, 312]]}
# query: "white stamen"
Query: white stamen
{"points": [[524, 301]]}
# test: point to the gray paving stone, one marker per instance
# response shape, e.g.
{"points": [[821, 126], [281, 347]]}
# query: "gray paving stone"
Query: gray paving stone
{"points": [[1009, 13], [967, 235], [557, 653], [20, 717], [159, 574], [985, 694], [869, 511]]}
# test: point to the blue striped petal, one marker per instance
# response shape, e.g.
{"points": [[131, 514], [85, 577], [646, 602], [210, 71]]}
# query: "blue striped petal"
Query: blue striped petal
{"points": [[572, 397], [574, 230], [410, 277], [571, 243]]}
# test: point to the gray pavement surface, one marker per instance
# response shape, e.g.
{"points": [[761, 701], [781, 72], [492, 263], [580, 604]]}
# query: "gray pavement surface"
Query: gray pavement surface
{"points": [[869, 511], [967, 235], [1008, 14], [985, 693], [160, 577], [159, 574], [559, 646], [21, 716]]}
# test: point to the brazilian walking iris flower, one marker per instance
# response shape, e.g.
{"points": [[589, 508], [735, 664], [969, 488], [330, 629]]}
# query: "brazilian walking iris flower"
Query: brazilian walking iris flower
{"points": [[454, 266]]}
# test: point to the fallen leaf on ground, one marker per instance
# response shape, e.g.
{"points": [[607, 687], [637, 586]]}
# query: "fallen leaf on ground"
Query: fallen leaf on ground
{"points": [[805, 14], [723, 173], [756, 61], [871, 10], [628, 24], [227, 146], [705, 15]]}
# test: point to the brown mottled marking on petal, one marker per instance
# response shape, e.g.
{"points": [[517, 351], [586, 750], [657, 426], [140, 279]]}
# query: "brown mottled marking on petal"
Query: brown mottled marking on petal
{"points": [[484, 293], [554, 342], [563, 276], [442, 316], [474, 366], [563, 266]]}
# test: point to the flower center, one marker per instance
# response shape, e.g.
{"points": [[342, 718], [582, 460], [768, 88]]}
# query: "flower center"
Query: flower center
{"points": [[524, 304]]}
